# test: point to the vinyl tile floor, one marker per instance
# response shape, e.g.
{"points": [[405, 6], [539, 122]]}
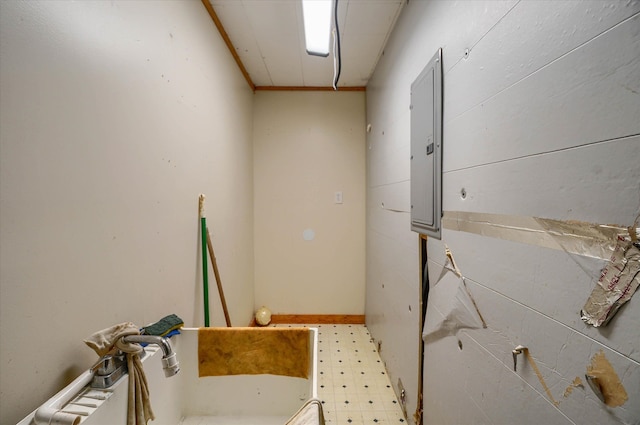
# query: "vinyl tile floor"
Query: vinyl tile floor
{"points": [[353, 384]]}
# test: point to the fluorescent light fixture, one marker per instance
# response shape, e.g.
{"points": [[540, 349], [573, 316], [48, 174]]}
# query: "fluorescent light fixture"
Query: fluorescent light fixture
{"points": [[317, 26]]}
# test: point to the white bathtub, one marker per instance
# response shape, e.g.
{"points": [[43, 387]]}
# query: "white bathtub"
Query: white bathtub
{"points": [[189, 400]]}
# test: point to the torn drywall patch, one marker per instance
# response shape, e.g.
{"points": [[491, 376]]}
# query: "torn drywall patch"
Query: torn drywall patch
{"points": [[451, 305], [618, 281], [450, 310], [602, 373], [450, 263]]}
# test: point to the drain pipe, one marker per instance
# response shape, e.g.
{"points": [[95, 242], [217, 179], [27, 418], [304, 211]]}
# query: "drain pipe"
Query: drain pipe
{"points": [[50, 414]]}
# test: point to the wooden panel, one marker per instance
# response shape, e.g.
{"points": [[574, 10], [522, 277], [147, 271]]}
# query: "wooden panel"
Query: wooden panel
{"points": [[555, 119], [423, 28], [308, 88], [552, 283], [590, 95], [389, 151], [400, 274], [501, 59], [561, 354], [471, 386], [321, 319], [394, 197], [597, 183]]}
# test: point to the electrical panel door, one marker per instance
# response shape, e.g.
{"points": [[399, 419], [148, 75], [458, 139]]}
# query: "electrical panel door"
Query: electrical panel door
{"points": [[426, 149]]}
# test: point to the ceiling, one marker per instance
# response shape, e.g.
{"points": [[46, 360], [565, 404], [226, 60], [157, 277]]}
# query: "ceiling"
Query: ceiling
{"points": [[268, 38]]}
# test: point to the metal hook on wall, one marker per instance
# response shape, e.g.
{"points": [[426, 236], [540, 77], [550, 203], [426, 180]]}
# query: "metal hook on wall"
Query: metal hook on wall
{"points": [[595, 386], [518, 350]]}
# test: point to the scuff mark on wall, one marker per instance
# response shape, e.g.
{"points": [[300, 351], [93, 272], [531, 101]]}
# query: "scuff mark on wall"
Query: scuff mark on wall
{"points": [[607, 379], [395, 210], [540, 378], [466, 288], [577, 382]]}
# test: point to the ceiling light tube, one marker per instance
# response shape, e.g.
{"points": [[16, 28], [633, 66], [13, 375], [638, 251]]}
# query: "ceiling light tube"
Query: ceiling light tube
{"points": [[317, 26]]}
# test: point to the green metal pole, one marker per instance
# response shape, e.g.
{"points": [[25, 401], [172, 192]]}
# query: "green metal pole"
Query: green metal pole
{"points": [[205, 267]]}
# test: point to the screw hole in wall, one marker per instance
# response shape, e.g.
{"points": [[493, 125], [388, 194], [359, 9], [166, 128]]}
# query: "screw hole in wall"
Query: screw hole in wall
{"points": [[463, 193]]}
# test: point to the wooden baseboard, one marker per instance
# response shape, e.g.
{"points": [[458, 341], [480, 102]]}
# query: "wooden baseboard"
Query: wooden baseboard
{"points": [[319, 319]]}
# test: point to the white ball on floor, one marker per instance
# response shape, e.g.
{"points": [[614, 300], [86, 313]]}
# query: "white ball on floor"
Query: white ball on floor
{"points": [[263, 316]]}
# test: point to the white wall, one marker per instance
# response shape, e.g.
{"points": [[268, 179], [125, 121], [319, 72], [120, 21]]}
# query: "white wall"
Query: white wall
{"points": [[114, 117], [541, 119], [307, 146]]}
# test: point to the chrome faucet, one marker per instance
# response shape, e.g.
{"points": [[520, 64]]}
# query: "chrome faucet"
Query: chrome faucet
{"points": [[112, 367], [170, 363], [109, 370]]}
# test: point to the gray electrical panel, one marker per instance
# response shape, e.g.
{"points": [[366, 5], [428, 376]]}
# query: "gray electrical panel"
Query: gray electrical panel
{"points": [[426, 149]]}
